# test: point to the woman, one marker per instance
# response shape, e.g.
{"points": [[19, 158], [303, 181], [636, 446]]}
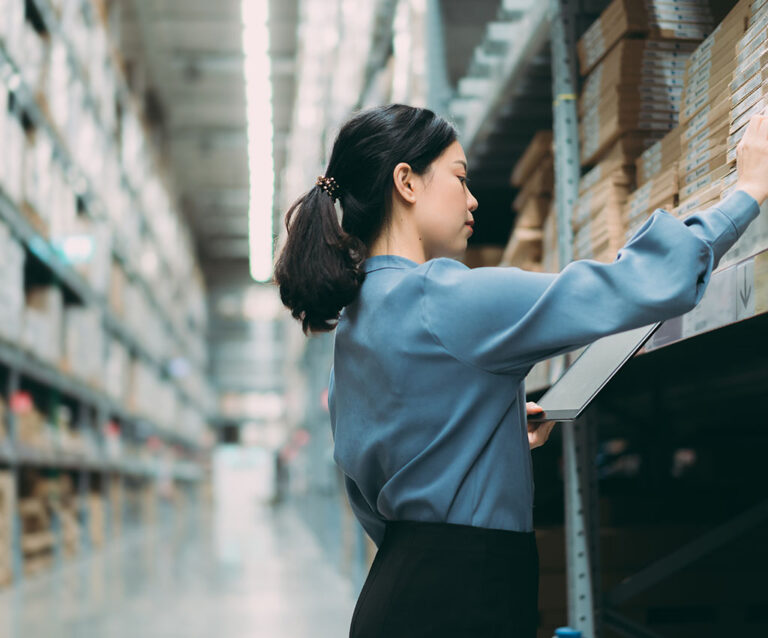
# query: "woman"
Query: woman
{"points": [[426, 392]]}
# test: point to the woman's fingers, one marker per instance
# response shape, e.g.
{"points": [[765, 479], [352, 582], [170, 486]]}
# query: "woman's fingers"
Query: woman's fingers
{"points": [[539, 433]]}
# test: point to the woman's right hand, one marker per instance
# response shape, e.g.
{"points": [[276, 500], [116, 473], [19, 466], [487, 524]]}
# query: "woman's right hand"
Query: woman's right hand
{"points": [[752, 158]]}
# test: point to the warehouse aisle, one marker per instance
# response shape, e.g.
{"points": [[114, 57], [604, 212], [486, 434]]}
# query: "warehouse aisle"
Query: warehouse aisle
{"points": [[223, 576]]}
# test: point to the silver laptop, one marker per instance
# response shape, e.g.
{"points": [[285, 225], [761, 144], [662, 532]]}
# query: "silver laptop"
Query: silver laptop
{"points": [[570, 395]]}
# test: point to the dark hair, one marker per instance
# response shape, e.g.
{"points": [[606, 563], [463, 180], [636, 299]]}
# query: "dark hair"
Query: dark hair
{"points": [[319, 270]]}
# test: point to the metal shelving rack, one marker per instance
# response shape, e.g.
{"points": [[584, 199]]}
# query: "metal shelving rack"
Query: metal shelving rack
{"points": [[93, 408], [736, 292]]}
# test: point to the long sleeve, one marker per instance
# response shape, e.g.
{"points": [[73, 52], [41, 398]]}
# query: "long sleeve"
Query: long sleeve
{"points": [[505, 319]]}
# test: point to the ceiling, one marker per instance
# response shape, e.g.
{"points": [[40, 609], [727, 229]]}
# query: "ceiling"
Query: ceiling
{"points": [[191, 53]]}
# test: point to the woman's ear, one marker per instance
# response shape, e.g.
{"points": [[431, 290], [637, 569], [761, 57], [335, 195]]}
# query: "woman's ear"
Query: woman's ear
{"points": [[403, 177]]}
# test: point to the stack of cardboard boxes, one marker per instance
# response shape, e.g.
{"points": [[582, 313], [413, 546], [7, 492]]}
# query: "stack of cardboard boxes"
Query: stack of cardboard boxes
{"points": [[650, 19], [598, 228], [634, 59], [636, 88], [749, 95], [534, 176], [656, 180], [703, 167]]}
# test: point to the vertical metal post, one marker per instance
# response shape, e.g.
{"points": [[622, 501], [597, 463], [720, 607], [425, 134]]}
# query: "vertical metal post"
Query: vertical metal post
{"points": [[438, 85], [577, 450]]}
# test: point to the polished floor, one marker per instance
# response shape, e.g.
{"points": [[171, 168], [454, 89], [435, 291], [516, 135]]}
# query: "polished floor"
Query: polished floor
{"points": [[225, 574]]}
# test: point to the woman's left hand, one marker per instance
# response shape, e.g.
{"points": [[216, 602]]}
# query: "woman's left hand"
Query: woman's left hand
{"points": [[538, 431]]}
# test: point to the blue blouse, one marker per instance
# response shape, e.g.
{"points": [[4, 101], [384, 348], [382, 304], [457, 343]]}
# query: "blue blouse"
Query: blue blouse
{"points": [[427, 394]]}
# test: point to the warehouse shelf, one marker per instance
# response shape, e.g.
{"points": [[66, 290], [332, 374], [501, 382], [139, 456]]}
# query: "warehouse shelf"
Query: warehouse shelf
{"points": [[53, 26], [28, 457], [736, 293], [29, 104], [28, 366], [479, 113], [74, 282]]}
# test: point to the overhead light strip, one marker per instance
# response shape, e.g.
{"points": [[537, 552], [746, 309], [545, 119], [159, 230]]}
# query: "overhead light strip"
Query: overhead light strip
{"points": [[258, 92]]}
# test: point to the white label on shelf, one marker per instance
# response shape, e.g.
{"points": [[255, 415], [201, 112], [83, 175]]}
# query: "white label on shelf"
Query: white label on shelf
{"points": [[745, 293]]}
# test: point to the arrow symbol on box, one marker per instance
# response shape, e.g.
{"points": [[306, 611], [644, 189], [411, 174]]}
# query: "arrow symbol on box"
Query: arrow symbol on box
{"points": [[746, 291]]}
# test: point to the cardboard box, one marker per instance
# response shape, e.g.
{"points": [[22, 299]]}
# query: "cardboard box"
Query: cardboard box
{"points": [[719, 44], [541, 181], [615, 187], [621, 154], [524, 249], [534, 212], [597, 134], [697, 99], [652, 19], [658, 157], [712, 177], [539, 148]]}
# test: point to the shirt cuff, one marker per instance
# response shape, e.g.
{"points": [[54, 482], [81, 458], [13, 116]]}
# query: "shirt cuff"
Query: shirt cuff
{"points": [[741, 208]]}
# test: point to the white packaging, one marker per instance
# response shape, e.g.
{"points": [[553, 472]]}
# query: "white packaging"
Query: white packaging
{"points": [[84, 343], [116, 371], [43, 317], [11, 287]]}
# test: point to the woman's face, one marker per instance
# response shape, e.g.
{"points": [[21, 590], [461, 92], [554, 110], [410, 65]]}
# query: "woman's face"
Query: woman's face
{"points": [[444, 206]]}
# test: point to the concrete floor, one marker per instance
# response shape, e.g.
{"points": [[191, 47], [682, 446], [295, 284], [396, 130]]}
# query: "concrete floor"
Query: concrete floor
{"points": [[221, 575]]}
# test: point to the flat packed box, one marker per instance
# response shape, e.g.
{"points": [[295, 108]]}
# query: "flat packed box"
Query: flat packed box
{"points": [[696, 100], [598, 134], [621, 154], [540, 181], [713, 176], [658, 20], [533, 212], [662, 188], [719, 42], [610, 192], [602, 236], [710, 118], [539, 148], [658, 157]]}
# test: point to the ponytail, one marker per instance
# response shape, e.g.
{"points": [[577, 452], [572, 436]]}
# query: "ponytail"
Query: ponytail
{"points": [[319, 269]]}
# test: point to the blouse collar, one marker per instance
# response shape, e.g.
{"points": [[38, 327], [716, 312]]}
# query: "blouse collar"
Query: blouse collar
{"points": [[376, 262]]}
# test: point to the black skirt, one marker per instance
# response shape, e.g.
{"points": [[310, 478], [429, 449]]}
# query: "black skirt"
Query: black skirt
{"points": [[449, 580]]}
